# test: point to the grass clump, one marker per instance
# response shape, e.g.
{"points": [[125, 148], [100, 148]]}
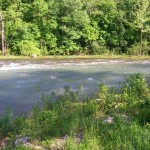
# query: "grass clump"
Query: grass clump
{"points": [[111, 120]]}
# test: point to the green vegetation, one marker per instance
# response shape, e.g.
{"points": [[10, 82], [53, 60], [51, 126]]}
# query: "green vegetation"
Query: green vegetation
{"points": [[75, 27], [111, 119], [73, 57]]}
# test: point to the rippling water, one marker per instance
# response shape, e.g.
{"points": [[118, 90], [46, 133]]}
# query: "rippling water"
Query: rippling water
{"points": [[23, 82]]}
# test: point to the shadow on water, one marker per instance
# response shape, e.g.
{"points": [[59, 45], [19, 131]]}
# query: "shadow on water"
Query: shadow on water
{"points": [[22, 89]]}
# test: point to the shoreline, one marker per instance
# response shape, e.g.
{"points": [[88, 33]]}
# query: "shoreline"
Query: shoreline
{"points": [[113, 57]]}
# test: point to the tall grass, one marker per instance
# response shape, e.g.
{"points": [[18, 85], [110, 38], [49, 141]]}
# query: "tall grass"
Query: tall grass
{"points": [[85, 122]]}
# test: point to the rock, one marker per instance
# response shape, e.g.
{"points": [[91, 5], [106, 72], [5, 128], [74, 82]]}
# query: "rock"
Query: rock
{"points": [[52, 77], [34, 147], [3, 144], [109, 120], [33, 55], [90, 79], [25, 142], [59, 143], [78, 137], [21, 140]]}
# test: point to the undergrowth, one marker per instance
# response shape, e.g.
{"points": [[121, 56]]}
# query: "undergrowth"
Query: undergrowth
{"points": [[85, 122]]}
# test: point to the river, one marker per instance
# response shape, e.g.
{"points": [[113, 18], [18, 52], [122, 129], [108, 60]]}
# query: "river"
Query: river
{"points": [[22, 82]]}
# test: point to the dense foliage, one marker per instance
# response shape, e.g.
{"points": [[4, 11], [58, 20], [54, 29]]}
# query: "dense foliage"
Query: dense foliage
{"points": [[72, 124], [76, 26]]}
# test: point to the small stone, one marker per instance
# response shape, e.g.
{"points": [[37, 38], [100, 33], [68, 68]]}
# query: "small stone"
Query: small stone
{"points": [[90, 79], [21, 140], [33, 55], [109, 120], [3, 144], [59, 143], [35, 147]]}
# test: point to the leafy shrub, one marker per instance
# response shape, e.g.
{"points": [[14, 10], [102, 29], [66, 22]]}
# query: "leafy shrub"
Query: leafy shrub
{"points": [[27, 48], [97, 48], [139, 49], [132, 99], [136, 85]]}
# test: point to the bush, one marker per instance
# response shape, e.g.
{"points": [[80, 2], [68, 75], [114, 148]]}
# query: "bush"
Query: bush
{"points": [[139, 49], [98, 49], [26, 48]]}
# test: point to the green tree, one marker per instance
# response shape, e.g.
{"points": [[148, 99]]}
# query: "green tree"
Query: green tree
{"points": [[72, 19], [136, 16], [75, 26], [109, 22], [142, 21], [17, 29]]}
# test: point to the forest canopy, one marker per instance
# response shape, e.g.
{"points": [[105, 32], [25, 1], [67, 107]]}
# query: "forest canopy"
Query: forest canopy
{"points": [[73, 27]]}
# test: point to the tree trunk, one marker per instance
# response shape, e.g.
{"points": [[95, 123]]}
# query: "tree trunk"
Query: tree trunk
{"points": [[3, 36]]}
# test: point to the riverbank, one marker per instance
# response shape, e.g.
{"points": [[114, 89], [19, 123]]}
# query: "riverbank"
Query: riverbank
{"points": [[78, 57], [109, 120]]}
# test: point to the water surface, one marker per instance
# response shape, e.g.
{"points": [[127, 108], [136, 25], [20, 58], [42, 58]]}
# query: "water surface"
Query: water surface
{"points": [[23, 82]]}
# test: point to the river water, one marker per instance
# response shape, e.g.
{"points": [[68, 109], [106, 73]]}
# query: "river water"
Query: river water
{"points": [[22, 82]]}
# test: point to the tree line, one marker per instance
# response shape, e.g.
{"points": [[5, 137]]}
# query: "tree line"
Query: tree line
{"points": [[69, 27]]}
